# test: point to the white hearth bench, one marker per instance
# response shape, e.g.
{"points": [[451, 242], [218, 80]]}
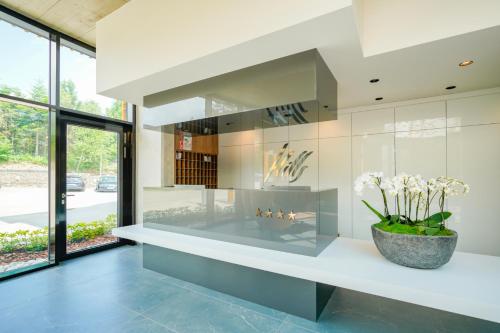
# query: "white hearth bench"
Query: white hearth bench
{"points": [[468, 285]]}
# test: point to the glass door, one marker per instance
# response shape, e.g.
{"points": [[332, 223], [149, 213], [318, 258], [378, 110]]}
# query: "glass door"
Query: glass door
{"points": [[92, 167]]}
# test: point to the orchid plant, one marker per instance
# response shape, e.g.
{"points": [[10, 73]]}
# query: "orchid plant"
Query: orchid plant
{"points": [[413, 197]]}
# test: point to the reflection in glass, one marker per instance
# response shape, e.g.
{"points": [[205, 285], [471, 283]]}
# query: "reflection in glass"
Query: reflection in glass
{"points": [[24, 186], [278, 87], [91, 187], [420, 124], [297, 221]]}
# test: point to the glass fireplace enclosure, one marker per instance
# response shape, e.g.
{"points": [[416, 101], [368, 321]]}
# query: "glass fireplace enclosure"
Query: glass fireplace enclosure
{"points": [[46, 77], [250, 178], [240, 156]]}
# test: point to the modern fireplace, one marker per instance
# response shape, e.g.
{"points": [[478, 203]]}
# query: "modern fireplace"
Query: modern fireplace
{"points": [[292, 220], [240, 156]]}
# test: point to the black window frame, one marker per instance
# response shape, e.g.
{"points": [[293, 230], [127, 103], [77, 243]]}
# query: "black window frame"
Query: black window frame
{"points": [[58, 115], [125, 182]]}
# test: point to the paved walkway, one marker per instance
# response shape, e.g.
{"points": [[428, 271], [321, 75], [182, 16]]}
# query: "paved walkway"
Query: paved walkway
{"points": [[26, 208]]}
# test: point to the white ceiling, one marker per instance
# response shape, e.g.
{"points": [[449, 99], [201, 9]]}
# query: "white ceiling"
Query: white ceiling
{"points": [[419, 67], [389, 25], [76, 18], [419, 71]]}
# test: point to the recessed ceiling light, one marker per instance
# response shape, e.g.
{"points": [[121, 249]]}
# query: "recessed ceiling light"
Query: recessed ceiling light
{"points": [[374, 80], [466, 63], [450, 87], [379, 98]]}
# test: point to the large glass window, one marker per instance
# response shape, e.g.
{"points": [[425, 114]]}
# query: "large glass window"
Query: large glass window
{"points": [[29, 193], [24, 186], [78, 85], [24, 60]]}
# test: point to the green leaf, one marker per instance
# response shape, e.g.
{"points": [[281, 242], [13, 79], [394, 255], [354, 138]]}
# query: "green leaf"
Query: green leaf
{"points": [[394, 219], [376, 212], [433, 223], [421, 229], [438, 217], [431, 231]]}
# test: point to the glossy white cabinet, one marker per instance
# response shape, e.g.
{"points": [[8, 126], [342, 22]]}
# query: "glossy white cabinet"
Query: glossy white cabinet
{"points": [[421, 116], [230, 139], [474, 156], [474, 110], [275, 134], [229, 167], [303, 132], [421, 152], [241, 138], [373, 122], [335, 172], [336, 128], [251, 137], [370, 153], [252, 166]]}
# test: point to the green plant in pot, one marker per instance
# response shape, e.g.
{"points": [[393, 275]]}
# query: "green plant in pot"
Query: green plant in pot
{"points": [[413, 235]]}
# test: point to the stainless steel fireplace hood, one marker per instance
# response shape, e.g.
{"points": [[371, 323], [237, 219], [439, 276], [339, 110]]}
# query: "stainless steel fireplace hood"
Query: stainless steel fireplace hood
{"points": [[281, 85]]}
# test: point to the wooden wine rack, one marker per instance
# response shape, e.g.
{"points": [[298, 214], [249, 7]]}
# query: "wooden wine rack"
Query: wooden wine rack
{"points": [[193, 169]]}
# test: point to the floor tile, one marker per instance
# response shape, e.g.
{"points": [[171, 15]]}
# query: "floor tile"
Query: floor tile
{"points": [[287, 327], [142, 296], [67, 310], [140, 324], [235, 300], [193, 312], [110, 292], [27, 287]]}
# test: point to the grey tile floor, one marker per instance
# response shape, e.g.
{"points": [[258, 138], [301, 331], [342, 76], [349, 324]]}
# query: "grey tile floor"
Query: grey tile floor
{"points": [[111, 292]]}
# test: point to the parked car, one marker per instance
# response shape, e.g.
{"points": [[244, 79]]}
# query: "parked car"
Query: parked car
{"points": [[107, 184], [74, 183]]}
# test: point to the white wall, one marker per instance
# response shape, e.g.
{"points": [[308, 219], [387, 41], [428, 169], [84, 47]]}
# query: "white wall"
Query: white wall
{"points": [[455, 135], [148, 165]]}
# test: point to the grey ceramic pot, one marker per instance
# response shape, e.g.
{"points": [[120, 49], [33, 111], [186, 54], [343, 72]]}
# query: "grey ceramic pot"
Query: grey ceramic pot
{"points": [[414, 250]]}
